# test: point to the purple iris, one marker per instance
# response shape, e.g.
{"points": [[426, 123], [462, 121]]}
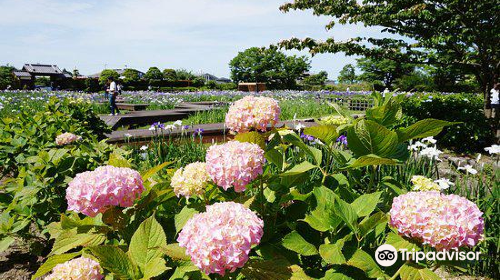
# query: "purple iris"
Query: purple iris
{"points": [[306, 137], [199, 131], [342, 139], [185, 127]]}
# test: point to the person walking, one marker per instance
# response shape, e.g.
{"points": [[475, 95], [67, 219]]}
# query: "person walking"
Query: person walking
{"points": [[113, 92], [495, 100]]}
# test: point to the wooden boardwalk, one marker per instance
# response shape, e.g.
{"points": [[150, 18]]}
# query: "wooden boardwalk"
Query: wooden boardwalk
{"points": [[140, 118], [211, 132]]}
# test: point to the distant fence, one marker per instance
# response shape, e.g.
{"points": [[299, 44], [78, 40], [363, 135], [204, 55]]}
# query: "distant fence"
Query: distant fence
{"points": [[352, 104]]}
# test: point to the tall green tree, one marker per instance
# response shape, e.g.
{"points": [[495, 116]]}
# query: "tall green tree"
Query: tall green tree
{"points": [[462, 33], [153, 75], [170, 75], [383, 71], [7, 78], [131, 76], [105, 74], [316, 79], [347, 75], [268, 65]]}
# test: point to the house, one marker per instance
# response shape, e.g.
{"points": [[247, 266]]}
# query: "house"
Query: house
{"points": [[28, 73], [210, 77]]}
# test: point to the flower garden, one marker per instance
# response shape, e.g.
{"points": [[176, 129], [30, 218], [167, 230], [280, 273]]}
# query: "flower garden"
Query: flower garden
{"points": [[304, 201]]}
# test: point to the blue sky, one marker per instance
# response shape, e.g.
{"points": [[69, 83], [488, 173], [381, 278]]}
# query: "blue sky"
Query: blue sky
{"points": [[198, 35]]}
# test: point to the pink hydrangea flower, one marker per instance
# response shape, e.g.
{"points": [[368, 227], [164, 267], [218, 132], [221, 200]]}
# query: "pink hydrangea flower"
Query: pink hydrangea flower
{"points": [[77, 269], [234, 164], [67, 138], [252, 112], [220, 239], [439, 220], [93, 192]]}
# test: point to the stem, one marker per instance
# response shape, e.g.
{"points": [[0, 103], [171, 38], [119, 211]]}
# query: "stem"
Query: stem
{"points": [[398, 272]]}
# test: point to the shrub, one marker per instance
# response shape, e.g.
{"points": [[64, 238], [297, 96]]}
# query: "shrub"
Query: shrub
{"points": [[471, 135]]}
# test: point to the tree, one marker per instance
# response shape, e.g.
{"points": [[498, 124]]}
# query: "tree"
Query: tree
{"points": [[107, 73], [183, 74], [462, 33], [153, 75], [131, 76], [170, 75], [7, 78], [268, 66], [316, 79], [347, 75], [383, 71]]}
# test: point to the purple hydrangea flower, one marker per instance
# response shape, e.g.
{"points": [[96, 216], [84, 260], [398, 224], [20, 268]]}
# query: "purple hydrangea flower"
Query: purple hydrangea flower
{"points": [[342, 139]]}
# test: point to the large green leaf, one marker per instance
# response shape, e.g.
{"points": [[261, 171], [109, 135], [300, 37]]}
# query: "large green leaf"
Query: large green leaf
{"points": [[275, 269], [365, 262], [347, 213], [116, 261], [252, 137], [151, 172], [276, 157], [6, 242], [365, 204], [386, 114], [422, 129], [175, 252], [51, 262], [299, 169], [416, 272], [374, 221], [144, 247], [332, 253], [335, 275], [400, 243], [295, 242], [368, 137], [70, 239], [117, 160], [325, 133], [370, 160], [183, 216], [323, 218]]}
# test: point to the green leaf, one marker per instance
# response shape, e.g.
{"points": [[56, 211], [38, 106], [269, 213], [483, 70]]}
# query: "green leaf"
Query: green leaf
{"points": [[299, 169], [368, 137], [276, 157], [422, 129], [325, 133], [275, 269], [175, 252], [365, 262], [252, 137], [181, 218], [323, 218], [332, 253], [6, 242], [116, 261], [400, 243], [370, 160], [334, 275], [318, 155], [387, 114], [347, 213], [416, 272], [151, 172], [70, 239], [371, 222], [365, 204], [295, 242], [144, 247], [51, 262], [118, 160]]}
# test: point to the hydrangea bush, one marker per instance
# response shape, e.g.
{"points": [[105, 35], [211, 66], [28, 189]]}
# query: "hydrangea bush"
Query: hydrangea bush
{"points": [[438, 220], [285, 207], [77, 269], [66, 138], [252, 112]]}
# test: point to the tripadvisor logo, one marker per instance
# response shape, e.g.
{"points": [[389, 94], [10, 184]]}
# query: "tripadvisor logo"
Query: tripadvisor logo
{"points": [[387, 255]]}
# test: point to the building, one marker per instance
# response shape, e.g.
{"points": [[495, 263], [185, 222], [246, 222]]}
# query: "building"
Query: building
{"points": [[210, 77], [251, 87], [29, 72]]}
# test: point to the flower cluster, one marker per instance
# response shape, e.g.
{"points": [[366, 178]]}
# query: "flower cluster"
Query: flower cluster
{"points": [[234, 164], [493, 149], [439, 220], [190, 180], [77, 269], [425, 149], [334, 120], [93, 192], [67, 138], [220, 239], [423, 184], [252, 112]]}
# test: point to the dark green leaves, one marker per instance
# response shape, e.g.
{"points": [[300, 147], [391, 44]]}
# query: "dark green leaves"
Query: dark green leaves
{"points": [[294, 242], [368, 137], [422, 129]]}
